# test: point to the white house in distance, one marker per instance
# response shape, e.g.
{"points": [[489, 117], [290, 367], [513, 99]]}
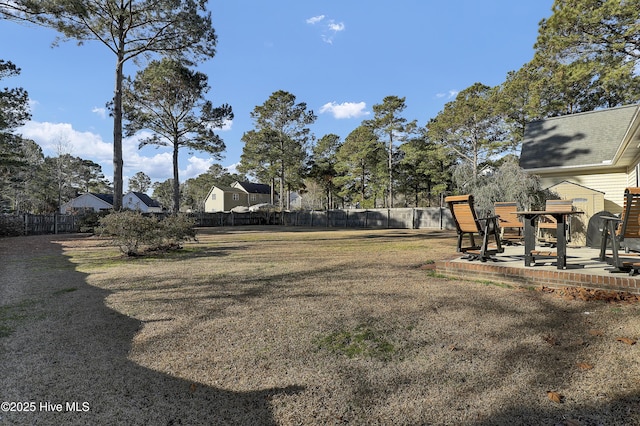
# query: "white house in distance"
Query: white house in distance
{"points": [[245, 194], [100, 202], [142, 202], [88, 201]]}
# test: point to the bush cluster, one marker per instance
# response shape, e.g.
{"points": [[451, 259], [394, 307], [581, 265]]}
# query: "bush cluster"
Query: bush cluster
{"points": [[133, 231], [11, 226], [89, 220]]}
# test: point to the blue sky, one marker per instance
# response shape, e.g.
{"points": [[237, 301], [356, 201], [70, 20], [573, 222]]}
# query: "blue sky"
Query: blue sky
{"points": [[339, 57]]}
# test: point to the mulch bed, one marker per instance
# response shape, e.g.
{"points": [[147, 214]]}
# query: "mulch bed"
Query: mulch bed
{"points": [[587, 294]]}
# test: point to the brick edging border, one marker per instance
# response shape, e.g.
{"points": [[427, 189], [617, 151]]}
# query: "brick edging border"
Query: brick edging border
{"points": [[526, 277]]}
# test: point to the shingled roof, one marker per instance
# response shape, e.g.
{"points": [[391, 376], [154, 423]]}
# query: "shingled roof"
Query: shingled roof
{"points": [[590, 139], [229, 189], [107, 198], [150, 202], [254, 188]]}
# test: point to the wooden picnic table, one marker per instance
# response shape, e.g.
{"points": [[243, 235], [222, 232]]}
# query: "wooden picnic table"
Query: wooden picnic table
{"points": [[530, 218]]}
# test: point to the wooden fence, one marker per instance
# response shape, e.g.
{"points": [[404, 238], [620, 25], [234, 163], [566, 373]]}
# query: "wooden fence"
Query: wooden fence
{"points": [[235, 219], [408, 218], [403, 218], [38, 224]]}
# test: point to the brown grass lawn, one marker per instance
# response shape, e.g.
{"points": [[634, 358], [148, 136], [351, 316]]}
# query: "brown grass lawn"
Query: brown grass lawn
{"points": [[313, 327]]}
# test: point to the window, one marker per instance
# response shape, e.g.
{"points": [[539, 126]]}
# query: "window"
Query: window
{"points": [[213, 196], [236, 197], [253, 197]]}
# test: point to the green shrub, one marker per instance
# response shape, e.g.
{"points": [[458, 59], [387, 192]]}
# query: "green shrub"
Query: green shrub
{"points": [[11, 226], [176, 229], [90, 220], [133, 231]]}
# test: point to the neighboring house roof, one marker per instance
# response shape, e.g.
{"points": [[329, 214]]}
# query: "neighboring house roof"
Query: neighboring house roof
{"points": [[254, 188], [88, 200], [107, 198], [228, 189], [148, 201], [591, 139]]}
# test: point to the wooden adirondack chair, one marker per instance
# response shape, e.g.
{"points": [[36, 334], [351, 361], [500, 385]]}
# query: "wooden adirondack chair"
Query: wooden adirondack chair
{"points": [[623, 232], [467, 222], [547, 224], [511, 228]]}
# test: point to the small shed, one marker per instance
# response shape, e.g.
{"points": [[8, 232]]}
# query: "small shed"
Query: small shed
{"points": [[585, 199]]}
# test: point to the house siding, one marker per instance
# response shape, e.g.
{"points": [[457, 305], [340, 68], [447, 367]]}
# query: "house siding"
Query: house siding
{"points": [[255, 193], [258, 199], [632, 181], [85, 201], [227, 198], [216, 204], [611, 184], [584, 199], [230, 203], [131, 201], [223, 200], [597, 149]]}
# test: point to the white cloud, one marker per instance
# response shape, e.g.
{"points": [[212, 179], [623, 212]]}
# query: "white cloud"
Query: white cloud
{"points": [[336, 27], [226, 126], [101, 112], [158, 167], [195, 167], [451, 94], [57, 138], [315, 19], [232, 169], [155, 162], [33, 104], [345, 109], [329, 29]]}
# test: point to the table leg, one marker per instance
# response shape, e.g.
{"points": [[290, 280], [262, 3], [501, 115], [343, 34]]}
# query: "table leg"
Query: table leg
{"points": [[603, 240], [561, 244], [529, 239], [615, 245]]}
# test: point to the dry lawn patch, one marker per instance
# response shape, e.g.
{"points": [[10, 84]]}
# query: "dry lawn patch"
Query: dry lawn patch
{"points": [[335, 326]]}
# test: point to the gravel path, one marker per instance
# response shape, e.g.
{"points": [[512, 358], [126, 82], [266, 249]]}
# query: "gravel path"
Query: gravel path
{"points": [[63, 355]]}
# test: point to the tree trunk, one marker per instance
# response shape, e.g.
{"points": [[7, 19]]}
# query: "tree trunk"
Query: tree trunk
{"points": [[273, 192], [281, 202], [117, 133], [475, 161], [362, 183], [390, 165], [288, 197], [176, 181]]}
